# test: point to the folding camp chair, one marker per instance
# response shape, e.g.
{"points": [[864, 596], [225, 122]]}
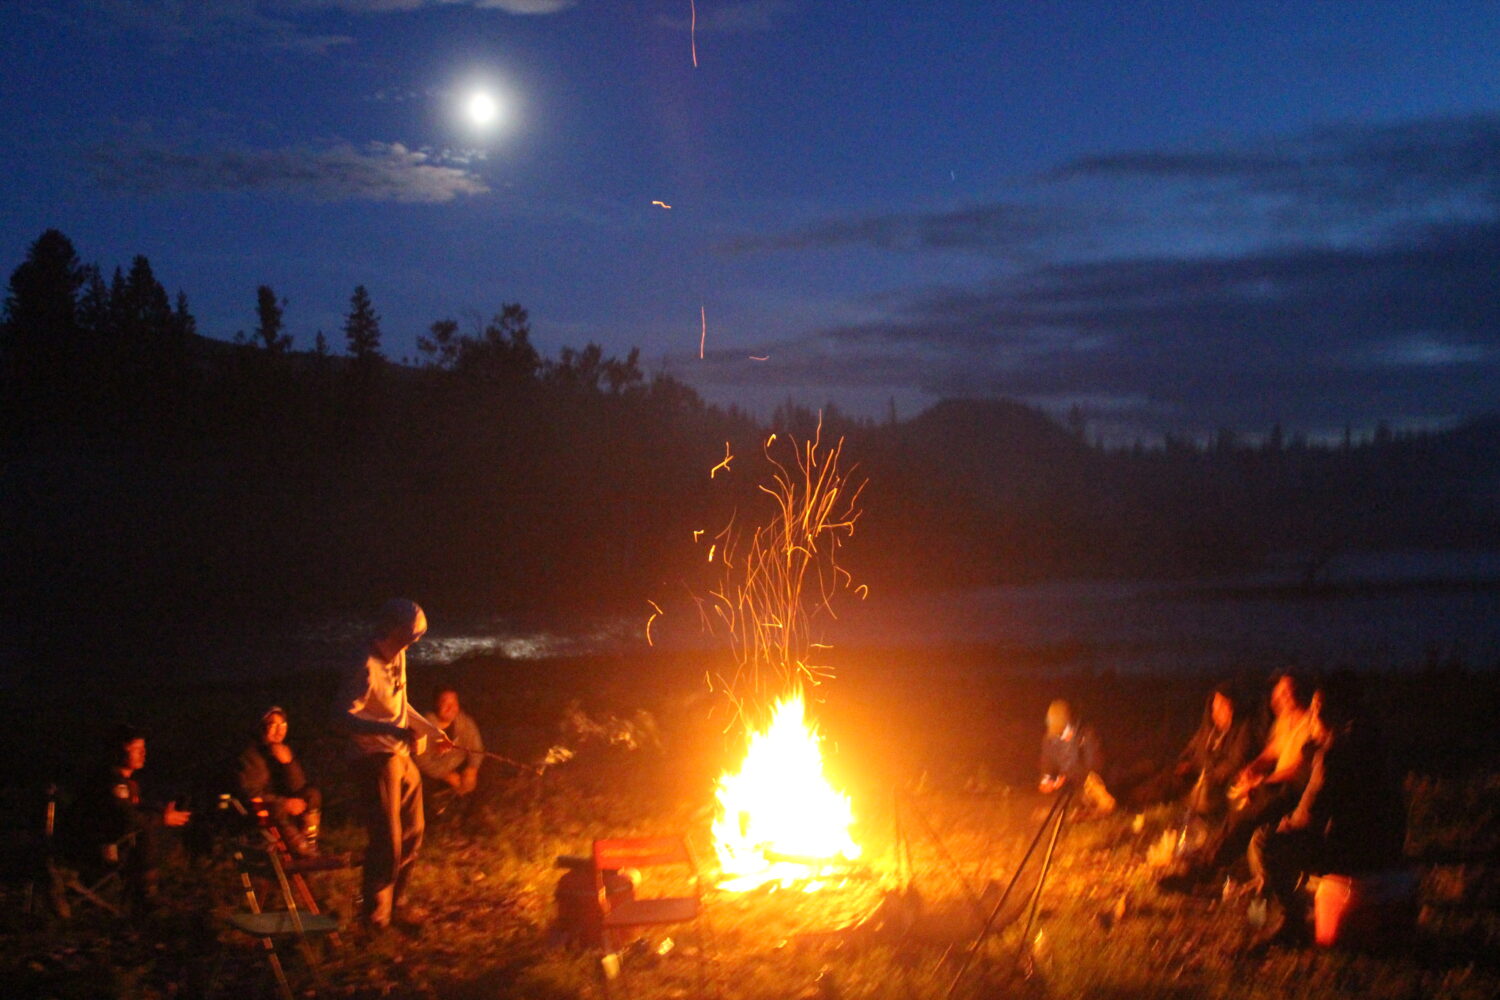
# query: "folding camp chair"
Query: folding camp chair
{"points": [[68, 882], [620, 914], [292, 923], [294, 868]]}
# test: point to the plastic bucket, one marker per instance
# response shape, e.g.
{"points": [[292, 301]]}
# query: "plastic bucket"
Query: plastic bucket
{"points": [[1370, 910]]}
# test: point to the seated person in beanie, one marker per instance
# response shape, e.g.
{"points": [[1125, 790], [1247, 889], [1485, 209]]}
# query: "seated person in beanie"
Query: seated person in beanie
{"points": [[111, 824], [268, 771], [454, 770], [1070, 756]]}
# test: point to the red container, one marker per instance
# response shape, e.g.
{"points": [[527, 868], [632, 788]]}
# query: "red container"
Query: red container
{"points": [[1369, 911]]}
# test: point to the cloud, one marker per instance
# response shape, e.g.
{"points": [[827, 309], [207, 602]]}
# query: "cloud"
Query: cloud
{"points": [[387, 6], [375, 172], [731, 17], [1006, 230], [277, 24], [1338, 186], [1341, 275]]}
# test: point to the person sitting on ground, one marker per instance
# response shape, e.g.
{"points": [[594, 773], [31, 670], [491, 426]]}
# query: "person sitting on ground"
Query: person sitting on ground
{"points": [[453, 771], [268, 771], [1267, 788], [1070, 755], [1350, 817], [1211, 760], [1217, 753], [111, 825]]}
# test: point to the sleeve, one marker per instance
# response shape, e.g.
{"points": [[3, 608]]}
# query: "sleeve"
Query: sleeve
{"points": [[1312, 802], [472, 742], [416, 720], [353, 692], [1047, 761], [252, 775], [296, 778], [1238, 749]]}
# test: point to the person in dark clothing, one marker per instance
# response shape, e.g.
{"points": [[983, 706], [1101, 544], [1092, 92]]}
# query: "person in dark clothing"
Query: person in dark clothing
{"points": [[111, 825], [268, 772], [1351, 817], [1070, 754], [1217, 753], [1203, 772]]}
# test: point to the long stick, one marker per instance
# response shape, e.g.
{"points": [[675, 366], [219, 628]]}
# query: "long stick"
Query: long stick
{"points": [[502, 759]]}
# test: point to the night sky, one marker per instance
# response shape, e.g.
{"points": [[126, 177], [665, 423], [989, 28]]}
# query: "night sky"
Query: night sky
{"points": [[1179, 216]]}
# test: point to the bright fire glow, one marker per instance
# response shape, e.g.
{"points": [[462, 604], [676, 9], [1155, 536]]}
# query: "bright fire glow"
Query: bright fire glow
{"points": [[779, 819]]}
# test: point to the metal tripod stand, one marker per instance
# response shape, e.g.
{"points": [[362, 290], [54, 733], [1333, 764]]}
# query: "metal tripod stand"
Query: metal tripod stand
{"points": [[1056, 817]]}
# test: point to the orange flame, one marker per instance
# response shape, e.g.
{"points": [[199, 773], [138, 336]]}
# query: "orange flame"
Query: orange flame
{"points": [[779, 820]]}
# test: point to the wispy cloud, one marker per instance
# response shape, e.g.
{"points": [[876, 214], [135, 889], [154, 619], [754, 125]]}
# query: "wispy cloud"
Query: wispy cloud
{"points": [[279, 24], [1344, 274], [375, 172]]}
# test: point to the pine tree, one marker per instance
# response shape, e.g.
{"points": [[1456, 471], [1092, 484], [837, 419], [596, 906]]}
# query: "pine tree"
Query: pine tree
{"points": [[40, 332], [95, 321], [184, 325], [362, 331], [269, 310]]}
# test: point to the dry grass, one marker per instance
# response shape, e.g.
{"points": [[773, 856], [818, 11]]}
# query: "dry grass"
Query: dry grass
{"points": [[489, 891]]}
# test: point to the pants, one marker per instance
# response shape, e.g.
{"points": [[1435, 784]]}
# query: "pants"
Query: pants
{"points": [[391, 787], [1267, 804], [1280, 860], [293, 828]]}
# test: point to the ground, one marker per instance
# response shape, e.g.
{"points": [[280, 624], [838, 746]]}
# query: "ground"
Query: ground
{"points": [[941, 839]]}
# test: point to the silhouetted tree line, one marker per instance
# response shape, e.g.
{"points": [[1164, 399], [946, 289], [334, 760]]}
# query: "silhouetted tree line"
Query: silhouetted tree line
{"points": [[159, 478]]}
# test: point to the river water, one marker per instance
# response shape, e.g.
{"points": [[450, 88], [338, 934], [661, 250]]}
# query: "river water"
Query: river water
{"points": [[1387, 611]]}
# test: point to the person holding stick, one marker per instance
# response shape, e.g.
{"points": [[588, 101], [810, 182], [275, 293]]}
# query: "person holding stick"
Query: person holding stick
{"points": [[384, 732], [453, 772]]}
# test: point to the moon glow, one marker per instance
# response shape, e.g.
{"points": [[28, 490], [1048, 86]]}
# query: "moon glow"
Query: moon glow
{"points": [[482, 109]]}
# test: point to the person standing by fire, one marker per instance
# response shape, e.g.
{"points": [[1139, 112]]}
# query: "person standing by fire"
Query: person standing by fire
{"points": [[385, 731]]}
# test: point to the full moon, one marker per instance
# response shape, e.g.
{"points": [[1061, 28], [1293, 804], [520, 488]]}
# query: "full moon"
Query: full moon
{"points": [[482, 109]]}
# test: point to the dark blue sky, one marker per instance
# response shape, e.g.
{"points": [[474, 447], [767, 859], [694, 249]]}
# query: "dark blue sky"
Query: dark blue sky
{"points": [[1180, 216]]}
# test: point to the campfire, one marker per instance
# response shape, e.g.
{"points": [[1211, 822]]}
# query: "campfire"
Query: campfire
{"points": [[779, 819]]}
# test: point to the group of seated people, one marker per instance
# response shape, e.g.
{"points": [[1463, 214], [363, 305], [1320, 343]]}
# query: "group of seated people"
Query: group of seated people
{"points": [[1317, 795], [113, 824]]}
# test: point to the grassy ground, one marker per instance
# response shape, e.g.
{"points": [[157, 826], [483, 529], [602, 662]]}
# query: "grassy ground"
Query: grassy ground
{"points": [[945, 815]]}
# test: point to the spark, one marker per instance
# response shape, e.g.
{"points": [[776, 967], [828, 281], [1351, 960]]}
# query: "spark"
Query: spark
{"points": [[661, 204], [697, 534], [760, 357], [703, 330], [770, 440], [863, 591], [658, 613], [722, 465], [693, 29], [711, 550]]}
